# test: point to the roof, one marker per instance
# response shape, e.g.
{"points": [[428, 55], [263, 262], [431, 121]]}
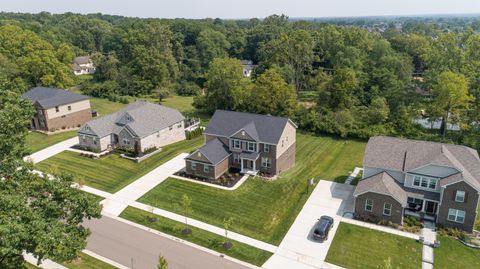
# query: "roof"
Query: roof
{"points": [[81, 60], [382, 183], [262, 128], [214, 150], [249, 155], [52, 97], [246, 62], [405, 155], [143, 119]]}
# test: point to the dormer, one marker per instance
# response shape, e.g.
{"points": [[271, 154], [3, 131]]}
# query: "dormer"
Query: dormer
{"points": [[125, 119]]}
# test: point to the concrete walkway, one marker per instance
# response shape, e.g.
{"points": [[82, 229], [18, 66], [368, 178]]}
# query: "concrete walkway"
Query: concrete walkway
{"points": [[353, 175], [46, 264], [298, 249], [52, 150], [380, 228], [429, 237], [115, 204]]}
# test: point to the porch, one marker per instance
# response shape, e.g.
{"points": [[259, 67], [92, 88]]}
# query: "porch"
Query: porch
{"points": [[421, 208], [248, 163]]}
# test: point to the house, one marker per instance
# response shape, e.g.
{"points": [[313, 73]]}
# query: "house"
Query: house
{"points": [[249, 143], [58, 109], [83, 65], [248, 67], [140, 126], [428, 180]]}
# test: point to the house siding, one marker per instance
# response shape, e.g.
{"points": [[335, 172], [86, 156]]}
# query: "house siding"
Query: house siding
{"points": [[286, 160], [199, 170], [164, 137], [88, 141], [469, 206], [377, 210], [287, 139]]}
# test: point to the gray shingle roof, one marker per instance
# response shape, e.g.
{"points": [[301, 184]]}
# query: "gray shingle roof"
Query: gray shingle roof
{"points": [[214, 150], [268, 129], [81, 60], [405, 155], [52, 97], [145, 119], [249, 155], [382, 183]]}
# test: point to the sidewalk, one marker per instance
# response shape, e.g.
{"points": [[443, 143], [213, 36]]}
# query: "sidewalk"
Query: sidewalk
{"points": [[115, 204], [429, 236], [353, 175], [380, 228], [46, 264], [52, 150]]}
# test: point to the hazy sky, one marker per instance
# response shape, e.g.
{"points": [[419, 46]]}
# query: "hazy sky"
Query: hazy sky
{"points": [[245, 8]]}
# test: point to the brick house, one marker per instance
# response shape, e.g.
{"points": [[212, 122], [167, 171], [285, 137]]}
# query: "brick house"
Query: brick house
{"points": [[248, 142]]}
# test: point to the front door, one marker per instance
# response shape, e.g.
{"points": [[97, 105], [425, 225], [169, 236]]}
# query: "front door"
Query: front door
{"points": [[247, 164], [430, 207]]}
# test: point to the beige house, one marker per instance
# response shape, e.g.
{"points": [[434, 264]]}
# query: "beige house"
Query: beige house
{"points": [[57, 109], [83, 65], [140, 126]]}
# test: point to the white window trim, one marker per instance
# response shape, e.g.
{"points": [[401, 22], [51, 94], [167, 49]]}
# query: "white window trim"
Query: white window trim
{"points": [[206, 168], [456, 215], [251, 144], [193, 165], [463, 196], [235, 141], [389, 209], [266, 148], [366, 205], [266, 162], [423, 179]]}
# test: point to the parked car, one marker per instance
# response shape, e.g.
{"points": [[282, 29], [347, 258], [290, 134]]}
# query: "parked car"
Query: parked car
{"points": [[322, 228]]}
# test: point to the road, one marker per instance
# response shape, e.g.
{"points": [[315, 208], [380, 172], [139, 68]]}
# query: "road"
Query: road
{"points": [[123, 243]]}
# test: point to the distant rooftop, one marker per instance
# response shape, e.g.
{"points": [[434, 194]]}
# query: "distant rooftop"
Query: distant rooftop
{"points": [[52, 97]]}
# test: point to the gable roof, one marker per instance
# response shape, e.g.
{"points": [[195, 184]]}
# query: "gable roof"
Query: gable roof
{"points": [[52, 97], [81, 60], [145, 119], [263, 128], [382, 183], [214, 150], [405, 155]]}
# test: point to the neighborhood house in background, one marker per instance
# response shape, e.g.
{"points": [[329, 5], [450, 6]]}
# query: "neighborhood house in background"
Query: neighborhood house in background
{"points": [[248, 142], [428, 180], [57, 109], [83, 65], [140, 126], [248, 67]]}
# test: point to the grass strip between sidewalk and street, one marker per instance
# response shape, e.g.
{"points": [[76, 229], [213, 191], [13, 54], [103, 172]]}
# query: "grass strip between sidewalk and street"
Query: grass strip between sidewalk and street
{"points": [[200, 237]]}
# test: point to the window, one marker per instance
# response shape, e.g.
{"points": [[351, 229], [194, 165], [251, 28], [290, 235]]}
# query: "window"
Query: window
{"points": [[57, 109], [266, 162], [432, 184], [87, 128], [425, 182], [205, 168], [83, 138], [266, 148], [460, 196], [126, 141], [237, 144], [416, 180], [368, 205], [69, 108], [387, 209], [179, 125], [456, 215], [94, 141], [251, 146], [170, 127], [236, 157], [194, 166]]}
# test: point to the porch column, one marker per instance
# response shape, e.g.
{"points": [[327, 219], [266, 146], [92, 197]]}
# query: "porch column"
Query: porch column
{"points": [[241, 164], [254, 165], [423, 206]]}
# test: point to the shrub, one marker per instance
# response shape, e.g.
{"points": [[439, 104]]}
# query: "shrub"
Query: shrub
{"points": [[150, 150]]}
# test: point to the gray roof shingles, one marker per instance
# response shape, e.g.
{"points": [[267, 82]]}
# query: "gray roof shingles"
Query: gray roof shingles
{"points": [[265, 128], [52, 97], [214, 150], [382, 183], [147, 118]]}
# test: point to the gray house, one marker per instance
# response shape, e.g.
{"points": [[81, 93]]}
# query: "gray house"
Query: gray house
{"points": [[428, 180], [248, 142], [140, 126]]}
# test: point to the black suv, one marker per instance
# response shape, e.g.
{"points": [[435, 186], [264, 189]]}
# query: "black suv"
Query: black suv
{"points": [[323, 226]]}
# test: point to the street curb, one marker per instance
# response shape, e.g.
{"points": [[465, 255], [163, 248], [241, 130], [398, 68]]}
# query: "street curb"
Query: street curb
{"points": [[103, 259], [173, 238]]}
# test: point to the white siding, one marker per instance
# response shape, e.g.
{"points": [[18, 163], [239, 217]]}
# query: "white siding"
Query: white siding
{"points": [[287, 139], [164, 137], [63, 110], [409, 183]]}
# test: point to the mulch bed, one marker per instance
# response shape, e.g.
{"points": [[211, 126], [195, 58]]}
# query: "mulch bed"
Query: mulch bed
{"points": [[229, 179]]}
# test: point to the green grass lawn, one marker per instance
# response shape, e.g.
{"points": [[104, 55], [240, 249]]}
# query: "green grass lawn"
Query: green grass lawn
{"points": [[87, 262], [262, 209], [357, 247], [200, 237], [112, 173], [477, 223], [104, 106], [37, 141], [180, 103], [453, 254]]}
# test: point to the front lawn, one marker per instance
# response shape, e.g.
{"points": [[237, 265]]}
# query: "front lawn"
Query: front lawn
{"points": [[37, 141], [85, 261], [358, 247], [453, 254], [112, 173], [263, 209], [200, 237]]}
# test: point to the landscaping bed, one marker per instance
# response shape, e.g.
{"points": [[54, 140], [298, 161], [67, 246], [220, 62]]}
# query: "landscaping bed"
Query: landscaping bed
{"points": [[356, 247], [111, 173], [264, 209], [229, 179], [200, 237]]}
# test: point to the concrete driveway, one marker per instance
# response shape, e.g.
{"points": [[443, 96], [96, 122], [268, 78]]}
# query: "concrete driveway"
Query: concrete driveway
{"points": [[298, 249], [52, 150]]}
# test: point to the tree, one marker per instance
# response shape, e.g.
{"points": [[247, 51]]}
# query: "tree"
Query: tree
{"points": [[187, 209], [226, 225], [272, 95], [37, 215], [451, 98], [162, 263], [338, 93], [212, 44]]}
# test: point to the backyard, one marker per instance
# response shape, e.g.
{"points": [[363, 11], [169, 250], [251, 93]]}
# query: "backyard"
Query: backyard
{"points": [[37, 141], [200, 237], [356, 247], [453, 254], [111, 173], [265, 209]]}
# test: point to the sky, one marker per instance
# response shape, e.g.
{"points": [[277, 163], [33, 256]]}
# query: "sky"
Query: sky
{"points": [[245, 8]]}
